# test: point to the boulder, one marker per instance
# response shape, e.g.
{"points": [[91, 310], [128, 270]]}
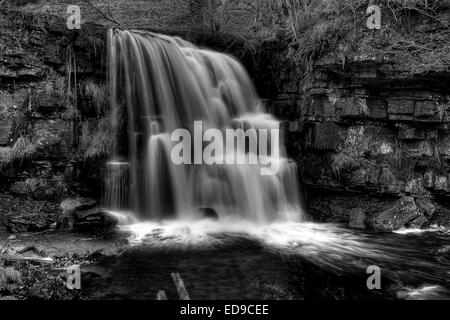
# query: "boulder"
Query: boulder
{"points": [[208, 213], [95, 218], [357, 217], [69, 207], [427, 206], [394, 215]]}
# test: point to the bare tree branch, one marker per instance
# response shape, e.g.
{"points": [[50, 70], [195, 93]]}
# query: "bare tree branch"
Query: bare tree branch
{"points": [[109, 18]]}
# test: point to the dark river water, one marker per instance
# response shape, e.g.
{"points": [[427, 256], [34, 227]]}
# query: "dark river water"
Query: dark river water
{"points": [[307, 261]]}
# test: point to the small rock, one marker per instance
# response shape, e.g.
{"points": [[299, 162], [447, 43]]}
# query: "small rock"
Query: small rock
{"points": [[12, 237], [357, 218]]}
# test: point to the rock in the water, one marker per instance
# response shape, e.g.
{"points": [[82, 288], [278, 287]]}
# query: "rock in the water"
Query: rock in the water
{"points": [[208, 213], [94, 218], [357, 218], [394, 216], [427, 206], [418, 222]]}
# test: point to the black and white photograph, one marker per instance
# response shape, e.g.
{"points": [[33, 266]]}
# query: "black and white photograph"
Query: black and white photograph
{"points": [[224, 150]]}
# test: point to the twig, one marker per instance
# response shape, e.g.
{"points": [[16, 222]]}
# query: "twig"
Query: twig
{"points": [[8, 257], [181, 289], [110, 19]]}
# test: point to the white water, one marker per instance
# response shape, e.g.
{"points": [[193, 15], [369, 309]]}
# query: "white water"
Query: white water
{"points": [[415, 264], [160, 83]]}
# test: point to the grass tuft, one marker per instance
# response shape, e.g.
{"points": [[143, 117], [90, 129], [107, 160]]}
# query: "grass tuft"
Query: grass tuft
{"points": [[22, 150], [351, 154], [97, 96], [99, 142], [9, 275]]}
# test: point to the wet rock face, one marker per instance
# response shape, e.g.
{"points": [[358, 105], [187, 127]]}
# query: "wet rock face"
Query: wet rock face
{"points": [[365, 127], [388, 140], [41, 134]]}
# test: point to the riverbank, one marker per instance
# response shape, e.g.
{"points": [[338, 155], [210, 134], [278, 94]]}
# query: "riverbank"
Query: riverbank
{"points": [[33, 265]]}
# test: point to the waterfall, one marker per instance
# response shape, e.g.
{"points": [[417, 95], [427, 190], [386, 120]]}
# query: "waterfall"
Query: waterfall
{"points": [[159, 84]]}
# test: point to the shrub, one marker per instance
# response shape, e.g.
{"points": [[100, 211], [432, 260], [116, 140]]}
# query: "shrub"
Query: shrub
{"points": [[56, 88], [317, 27], [42, 188], [9, 275], [225, 17], [57, 91], [351, 154], [96, 95]]}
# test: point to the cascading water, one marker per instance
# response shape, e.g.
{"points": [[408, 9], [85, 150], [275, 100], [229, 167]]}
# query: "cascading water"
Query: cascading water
{"points": [[159, 84]]}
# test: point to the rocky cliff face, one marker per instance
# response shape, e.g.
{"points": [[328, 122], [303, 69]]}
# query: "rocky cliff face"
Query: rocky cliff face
{"points": [[366, 131], [42, 158]]}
